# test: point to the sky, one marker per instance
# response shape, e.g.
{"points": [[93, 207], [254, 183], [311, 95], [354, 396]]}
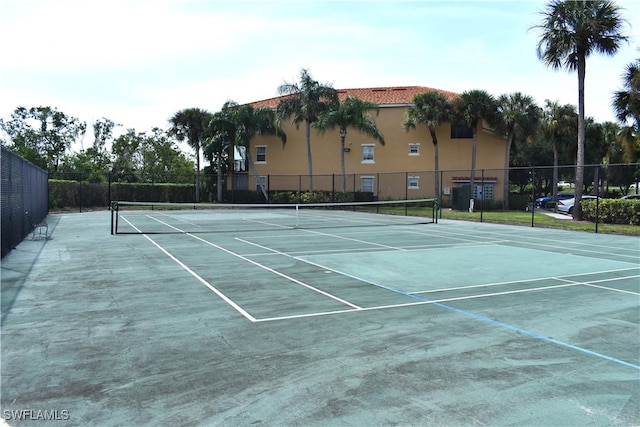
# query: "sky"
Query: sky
{"points": [[137, 62]]}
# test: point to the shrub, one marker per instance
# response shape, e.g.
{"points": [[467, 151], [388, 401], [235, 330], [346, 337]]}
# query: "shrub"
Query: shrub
{"points": [[612, 211], [518, 202]]}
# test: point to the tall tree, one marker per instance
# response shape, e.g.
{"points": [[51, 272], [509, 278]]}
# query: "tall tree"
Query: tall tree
{"points": [[626, 104], [127, 157], [571, 31], [430, 109], [220, 136], [43, 135], [304, 103], [558, 126], [190, 125], [162, 160], [91, 164], [98, 152], [518, 114], [352, 112], [237, 125], [473, 108], [256, 121]]}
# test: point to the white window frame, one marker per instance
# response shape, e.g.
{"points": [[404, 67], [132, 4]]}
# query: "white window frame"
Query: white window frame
{"points": [[365, 149], [413, 183], [367, 179], [484, 193], [414, 148], [263, 154]]}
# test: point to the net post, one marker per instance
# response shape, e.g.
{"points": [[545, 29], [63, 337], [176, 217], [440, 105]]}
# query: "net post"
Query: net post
{"points": [[297, 213], [436, 208], [114, 213]]}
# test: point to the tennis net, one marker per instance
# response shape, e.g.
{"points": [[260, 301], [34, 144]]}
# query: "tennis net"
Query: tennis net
{"points": [[163, 218]]}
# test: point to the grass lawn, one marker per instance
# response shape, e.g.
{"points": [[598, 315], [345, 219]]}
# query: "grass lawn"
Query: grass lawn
{"points": [[541, 220]]}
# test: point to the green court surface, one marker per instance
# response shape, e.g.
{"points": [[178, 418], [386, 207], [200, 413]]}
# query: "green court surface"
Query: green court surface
{"points": [[447, 324]]}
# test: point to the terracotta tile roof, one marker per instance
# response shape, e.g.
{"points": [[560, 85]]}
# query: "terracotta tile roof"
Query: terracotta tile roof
{"points": [[380, 95]]}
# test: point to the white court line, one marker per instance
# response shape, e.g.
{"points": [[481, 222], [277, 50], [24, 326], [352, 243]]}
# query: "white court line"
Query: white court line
{"points": [[591, 284], [356, 308], [176, 218], [353, 240], [508, 237], [486, 285], [439, 233], [324, 267], [286, 227], [197, 276], [271, 270], [425, 302]]}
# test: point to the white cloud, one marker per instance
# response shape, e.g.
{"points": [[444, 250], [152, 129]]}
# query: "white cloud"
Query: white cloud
{"points": [[117, 33], [139, 61]]}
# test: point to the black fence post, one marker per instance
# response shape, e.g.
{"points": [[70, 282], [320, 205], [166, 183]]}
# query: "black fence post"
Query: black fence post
{"points": [[597, 185], [533, 194], [482, 196]]}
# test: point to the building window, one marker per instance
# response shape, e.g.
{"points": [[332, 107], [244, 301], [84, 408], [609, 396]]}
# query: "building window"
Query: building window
{"points": [[367, 153], [413, 182], [483, 192], [461, 130], [414, 149], [261, 154], [367, 184]]}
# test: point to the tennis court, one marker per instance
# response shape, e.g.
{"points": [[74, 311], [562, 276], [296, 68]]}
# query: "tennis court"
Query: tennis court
{"points": [[346, 321]]}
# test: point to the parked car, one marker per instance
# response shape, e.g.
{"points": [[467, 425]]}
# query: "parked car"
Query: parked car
{"points": [[566, 206], [541, 202], [631, 196]]}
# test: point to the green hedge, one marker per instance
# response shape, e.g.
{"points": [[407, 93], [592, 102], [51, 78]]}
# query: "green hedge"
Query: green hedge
{"points": [[320, 197], [73, 194], [145, 192], [612, 211]]}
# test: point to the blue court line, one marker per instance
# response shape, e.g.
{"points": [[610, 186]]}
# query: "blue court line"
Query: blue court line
{"points": [[522, 331], [487, 320], [473, 315]]}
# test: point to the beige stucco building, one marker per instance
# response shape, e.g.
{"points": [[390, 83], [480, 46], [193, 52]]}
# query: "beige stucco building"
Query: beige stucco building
{"points": [[402, 168]]}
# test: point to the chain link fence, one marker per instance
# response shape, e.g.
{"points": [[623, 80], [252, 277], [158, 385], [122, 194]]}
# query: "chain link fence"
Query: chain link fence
{"points": [[24, 189], [452, 187]]}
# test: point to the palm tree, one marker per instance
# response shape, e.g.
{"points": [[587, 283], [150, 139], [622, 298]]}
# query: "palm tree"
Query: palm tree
{"points": [[557, 125], [626, 104], [190, 124], [236, 125], [352, 112], [305, 103], [250, 122], [571, 31], [518, 114], [473, 108], [431, 109], [219, 137]]}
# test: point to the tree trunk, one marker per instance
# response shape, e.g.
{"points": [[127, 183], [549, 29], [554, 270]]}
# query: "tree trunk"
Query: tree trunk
{"points": [[198, 175], [307, 133], [474, 148], [577, 208], [343, 136], [219, 177], [436, 159], [505, 178], [554, 188]]}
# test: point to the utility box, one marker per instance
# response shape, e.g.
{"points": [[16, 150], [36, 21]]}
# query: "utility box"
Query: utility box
{"points": [[460, 197]]}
